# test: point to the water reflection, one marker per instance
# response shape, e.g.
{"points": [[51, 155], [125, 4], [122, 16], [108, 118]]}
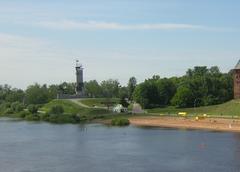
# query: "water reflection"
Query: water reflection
{"points": [[37, 147], [82, 127], [237, 148]]}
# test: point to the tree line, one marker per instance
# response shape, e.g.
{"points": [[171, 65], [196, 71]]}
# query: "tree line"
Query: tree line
{"points": [[200, 86], [41, 94]]}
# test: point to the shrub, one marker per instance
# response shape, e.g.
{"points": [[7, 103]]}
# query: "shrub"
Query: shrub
{"points": [[44, 116], [76, 118], [5, 107], [120, 122], [57, 109], [17, 107], [33, 109], [32, 117], [23, 114], [8, 111]]}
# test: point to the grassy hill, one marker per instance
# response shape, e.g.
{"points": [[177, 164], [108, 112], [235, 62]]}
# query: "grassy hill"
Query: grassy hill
{"points": [[231, 108], [91, 102], [74, 113], [73, 108]]}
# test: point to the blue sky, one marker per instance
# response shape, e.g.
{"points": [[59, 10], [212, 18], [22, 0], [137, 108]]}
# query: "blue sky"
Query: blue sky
{"points": [[40, 40]]}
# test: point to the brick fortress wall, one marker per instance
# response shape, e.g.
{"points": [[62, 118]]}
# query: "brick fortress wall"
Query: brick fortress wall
{"points": [[236, 78]]}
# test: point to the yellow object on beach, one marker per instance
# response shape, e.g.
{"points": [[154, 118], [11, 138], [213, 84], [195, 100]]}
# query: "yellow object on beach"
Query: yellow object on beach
{"points": [[182, 114], [201, 117]]}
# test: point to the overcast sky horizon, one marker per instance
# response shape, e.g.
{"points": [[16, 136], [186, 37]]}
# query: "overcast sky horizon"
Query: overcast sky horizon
{"points": [[40, 40]]}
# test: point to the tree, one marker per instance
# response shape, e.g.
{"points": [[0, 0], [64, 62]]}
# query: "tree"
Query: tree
{"points": [[132, 83], [93, 89], [140, 95], [166, 90], [67, 88], [183, 97], [53, 90], [154, 92], [4, 91], [15, 95], [110, 88], [17, 107], [36, 94], [33, 109], [208, 85], [214, 70], [123, 94]]}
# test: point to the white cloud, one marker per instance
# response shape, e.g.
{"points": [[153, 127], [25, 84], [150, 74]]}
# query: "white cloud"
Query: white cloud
{"points": [[8, 40], [94, 25]]}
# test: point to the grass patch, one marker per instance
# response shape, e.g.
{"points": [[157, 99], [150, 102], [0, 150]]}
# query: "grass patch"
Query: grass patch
{"points": [[68, 106], [91, 102], [231, 108]]}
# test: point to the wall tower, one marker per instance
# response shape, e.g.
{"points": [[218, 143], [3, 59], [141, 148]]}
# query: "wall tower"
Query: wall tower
{"points": [[236, 79]]}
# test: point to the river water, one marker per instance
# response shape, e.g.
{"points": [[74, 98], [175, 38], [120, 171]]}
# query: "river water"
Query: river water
{"points": [[43, 147]]}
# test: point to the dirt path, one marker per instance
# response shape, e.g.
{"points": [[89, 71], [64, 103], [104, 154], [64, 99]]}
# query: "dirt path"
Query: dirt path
{"points": [[78, 102]]}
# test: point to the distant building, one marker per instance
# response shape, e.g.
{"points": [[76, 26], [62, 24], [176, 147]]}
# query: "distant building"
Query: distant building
{"points": [[236, 79], [120, 109], [79, 79]]}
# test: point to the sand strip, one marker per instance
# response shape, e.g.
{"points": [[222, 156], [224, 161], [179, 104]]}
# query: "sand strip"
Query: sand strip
{"points": [[217, 124]]}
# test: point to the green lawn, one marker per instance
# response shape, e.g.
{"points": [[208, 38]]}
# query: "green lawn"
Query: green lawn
{"points": [[231, 108], [91, 102], [72, 108]]}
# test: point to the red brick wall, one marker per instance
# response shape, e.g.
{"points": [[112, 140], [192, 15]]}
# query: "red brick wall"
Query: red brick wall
{"points": [[236, 78]]}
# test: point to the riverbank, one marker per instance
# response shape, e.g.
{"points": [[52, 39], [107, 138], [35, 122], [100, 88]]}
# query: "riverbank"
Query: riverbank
{"points": [[216, 124]]}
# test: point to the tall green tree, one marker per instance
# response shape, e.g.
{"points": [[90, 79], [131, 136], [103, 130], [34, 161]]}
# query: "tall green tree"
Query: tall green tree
{"points": [[110, 88], [67, 88], [154, 92], [132, 83], [37, 94], [123, 95], [93, 89], [183, 98], [15, 95]]}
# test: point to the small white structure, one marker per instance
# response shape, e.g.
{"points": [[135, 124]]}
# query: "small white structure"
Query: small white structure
{"points": [[137, 109], [119, 109]]}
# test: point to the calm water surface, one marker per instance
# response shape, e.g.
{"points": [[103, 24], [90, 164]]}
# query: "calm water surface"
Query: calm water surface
{"points": [[43, 147]]}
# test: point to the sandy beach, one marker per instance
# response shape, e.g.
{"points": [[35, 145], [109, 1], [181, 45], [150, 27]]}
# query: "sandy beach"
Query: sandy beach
{"points": [[217, 124]]}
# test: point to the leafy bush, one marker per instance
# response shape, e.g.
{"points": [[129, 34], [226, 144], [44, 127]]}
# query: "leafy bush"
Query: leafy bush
{"points": [[4, 106], [23, 114], [8, 111], [32, 117], [17, 107], [57, 109], [33, 109], [44, 116], [120, 122], [37, 94]]}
